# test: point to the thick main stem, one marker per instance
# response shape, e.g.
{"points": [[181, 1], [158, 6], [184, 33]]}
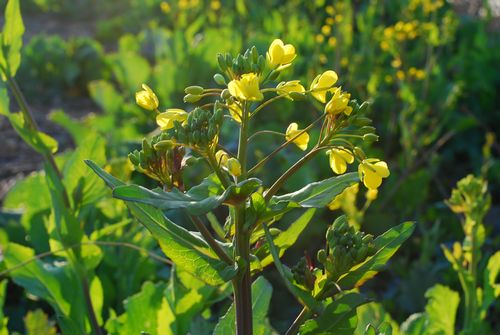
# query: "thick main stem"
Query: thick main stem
{"points": [[242, 283]]}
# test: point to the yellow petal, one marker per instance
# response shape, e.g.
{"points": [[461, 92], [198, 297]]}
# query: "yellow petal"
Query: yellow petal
{"points": [[276, 52], [289, 54], [166, 119], [381, 169], [301, 141]]}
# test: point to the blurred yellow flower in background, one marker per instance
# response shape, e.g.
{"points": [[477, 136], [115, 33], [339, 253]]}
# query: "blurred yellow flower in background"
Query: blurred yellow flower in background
{"points": [[146, 98]]}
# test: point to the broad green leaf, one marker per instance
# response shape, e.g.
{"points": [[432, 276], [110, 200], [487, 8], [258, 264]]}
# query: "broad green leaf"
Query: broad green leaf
{"points": [[441, 309], [187, 250], [197, 201], [374, 314], [77, 131], [140, 312], [35, 210], [130, 69], [82, 185], [386, 245], [65, 227], [36, 323], [286, 275], [416, 324], [12, 38], [106, 96], [39, 141], [50, 282], [490, 286], [261, 297], [285, 239], [339, 317], [321, 193]]}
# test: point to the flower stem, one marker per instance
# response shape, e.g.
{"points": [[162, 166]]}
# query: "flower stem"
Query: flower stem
{"points": [[242, 283], [294, 328]]}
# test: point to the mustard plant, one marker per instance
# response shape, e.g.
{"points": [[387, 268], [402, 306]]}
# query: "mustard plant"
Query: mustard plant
{"points": [[246, 242]]}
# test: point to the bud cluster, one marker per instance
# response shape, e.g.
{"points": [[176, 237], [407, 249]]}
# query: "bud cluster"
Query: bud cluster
{"points": [[160, 159], [200, 130], [303, 274], [250, 61], [346, 248], [471, 197]]}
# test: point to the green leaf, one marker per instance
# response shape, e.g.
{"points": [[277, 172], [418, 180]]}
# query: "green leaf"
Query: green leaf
{"points": [[106, 96], [12, 38], [185, 249], [3, 319], [386, 245], [285, 239], [301, 295], [76, 129], [441, 310], [50, 282], [490, 286], [416, 324], [339, 317], [197, 201], [321, 193], [140, 312], [39, 141], [130, 70], [82, 185], [36, 323], [261, 298], [375, 315]]}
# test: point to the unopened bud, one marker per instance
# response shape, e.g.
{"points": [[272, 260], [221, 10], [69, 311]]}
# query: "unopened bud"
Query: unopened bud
{"points": [[219, 79], [234, 167], [195, 90], [225, 94], [359, 152], [370, 137], [191, 98]]}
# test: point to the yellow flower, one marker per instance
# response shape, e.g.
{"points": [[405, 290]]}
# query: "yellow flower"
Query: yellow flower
{"points": [[396, 62], [400, 75], [302, 140], [235, 111], [280, 55], [285, 88], [339, 158], [221, 157], [215, 5], [372, 171], [338, 103], [246, 88], [340, 199], [322, 83], [234, 166], [330, 10], [320, 38], [166, 119], [165, 7], [332, 41], [326, 29], [146, 98]]}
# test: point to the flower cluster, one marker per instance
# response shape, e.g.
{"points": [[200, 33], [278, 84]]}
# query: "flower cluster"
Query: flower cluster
{"points": [[248, 85]]}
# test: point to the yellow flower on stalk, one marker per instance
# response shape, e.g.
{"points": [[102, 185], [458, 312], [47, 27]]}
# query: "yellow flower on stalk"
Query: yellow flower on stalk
{"points": [[231, 164], [371, 171], [285, 88], [246, 88], [146, 98], [221, 157], [280, 55], [302, 140], [322, 84], [339, 103], [166, 119], [339, 158]]}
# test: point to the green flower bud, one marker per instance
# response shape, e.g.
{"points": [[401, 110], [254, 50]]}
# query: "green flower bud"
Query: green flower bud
{"points": [[225, 94], [255, 54], [321, 256], [222, 62], [191, 98], [133, 158], [368, 129], [370, 137], [359, 153], [362, 121], [195, 90], [219, 79]]}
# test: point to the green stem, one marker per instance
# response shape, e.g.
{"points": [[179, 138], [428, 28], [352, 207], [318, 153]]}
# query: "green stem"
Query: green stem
{"points": [[242, 283], [221, 253], [294, 328], [281, 180]]}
